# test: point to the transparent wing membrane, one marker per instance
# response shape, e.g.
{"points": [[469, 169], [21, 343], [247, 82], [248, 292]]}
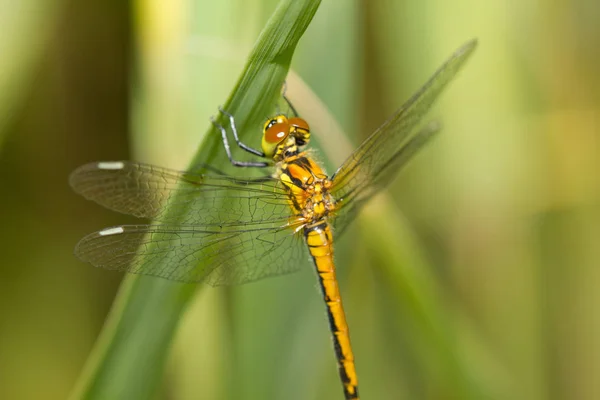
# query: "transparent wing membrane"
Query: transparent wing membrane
{"points": [[215, 229], [380, 156], [194, 199], [232, 255], [357, 196]]}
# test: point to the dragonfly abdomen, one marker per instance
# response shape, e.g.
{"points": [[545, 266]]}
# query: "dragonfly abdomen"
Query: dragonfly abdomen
{"points": [[320, 245]]}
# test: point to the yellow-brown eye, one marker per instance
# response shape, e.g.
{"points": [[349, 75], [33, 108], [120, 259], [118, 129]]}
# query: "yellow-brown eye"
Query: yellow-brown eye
{"points": [[299, 123], [277, 132]]}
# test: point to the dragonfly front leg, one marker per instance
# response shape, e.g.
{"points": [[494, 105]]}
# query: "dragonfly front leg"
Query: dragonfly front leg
{"points": [[221, 128]]}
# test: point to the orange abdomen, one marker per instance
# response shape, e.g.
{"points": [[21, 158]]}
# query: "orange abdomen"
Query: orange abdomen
{"points": [[320, 245]]}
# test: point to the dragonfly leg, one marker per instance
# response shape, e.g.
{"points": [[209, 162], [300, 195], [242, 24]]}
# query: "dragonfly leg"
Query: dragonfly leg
{"points": [[235, 135], [259, 164], [202, 168]]}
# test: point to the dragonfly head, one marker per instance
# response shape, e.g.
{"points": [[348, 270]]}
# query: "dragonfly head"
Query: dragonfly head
{"points": [[281, 133]]}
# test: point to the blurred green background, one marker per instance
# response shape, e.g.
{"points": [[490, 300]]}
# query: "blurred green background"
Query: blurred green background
{"points": [[482, 283]]}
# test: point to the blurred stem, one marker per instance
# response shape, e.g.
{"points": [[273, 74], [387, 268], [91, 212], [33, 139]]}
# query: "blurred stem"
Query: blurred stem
{"points": [[127, 361], [407, 273], [29, 25]]}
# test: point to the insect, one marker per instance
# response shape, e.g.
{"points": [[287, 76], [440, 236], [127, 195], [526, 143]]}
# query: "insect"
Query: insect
{"points": [[217, 229]]}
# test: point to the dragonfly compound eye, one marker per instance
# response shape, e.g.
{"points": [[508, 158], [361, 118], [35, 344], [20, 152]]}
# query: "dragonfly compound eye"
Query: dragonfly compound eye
{"points": [[300, 130], [275, 133], [299, 124]]}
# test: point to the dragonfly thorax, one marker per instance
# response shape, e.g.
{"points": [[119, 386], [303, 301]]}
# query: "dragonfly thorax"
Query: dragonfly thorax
{"points": [[284, 137], [308, 187], [319, 202]]}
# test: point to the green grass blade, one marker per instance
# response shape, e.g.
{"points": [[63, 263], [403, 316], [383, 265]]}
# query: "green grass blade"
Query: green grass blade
{"points": [[259, 86], [127, 361]]}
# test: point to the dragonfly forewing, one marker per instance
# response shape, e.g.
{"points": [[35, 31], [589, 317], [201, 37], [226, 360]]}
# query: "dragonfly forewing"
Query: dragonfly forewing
{"points": [[372, 165], [175, 197]]}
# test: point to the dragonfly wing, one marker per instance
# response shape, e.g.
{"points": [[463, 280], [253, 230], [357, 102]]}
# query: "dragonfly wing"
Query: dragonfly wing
{"points": [[353, 201], [186, 198], [380, 156], [217, 256]]}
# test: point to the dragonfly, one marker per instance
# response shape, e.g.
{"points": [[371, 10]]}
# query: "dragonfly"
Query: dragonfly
{"points": [[221, 230]]}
